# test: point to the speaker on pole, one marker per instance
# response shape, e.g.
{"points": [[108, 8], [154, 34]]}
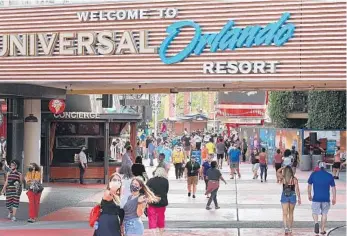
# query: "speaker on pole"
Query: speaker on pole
{"points": [[313, 138]]}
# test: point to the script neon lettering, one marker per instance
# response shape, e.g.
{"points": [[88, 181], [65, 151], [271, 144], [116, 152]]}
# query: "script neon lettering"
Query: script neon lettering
{"points": [[277, 33]]}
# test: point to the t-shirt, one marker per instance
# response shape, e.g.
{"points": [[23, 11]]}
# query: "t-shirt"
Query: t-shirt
{"points": [[186, 141], [197, 139], [138, 169], [220, 148], [167, 152], [234, 155], [206, 166], [278, 158], [321, 181], [159, 149], [177, 157], [192, 169], [210, 148], [213, 174], [262, 158]]}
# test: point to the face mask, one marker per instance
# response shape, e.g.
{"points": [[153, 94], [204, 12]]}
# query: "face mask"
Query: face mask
{"points": [[134, 188], [115, 184], [31, 169]]}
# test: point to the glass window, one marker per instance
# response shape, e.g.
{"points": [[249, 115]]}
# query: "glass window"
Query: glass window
{"points": [[71, 142]]}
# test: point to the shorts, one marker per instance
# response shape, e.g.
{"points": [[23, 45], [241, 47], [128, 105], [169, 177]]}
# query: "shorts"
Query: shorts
{"points": [[288, 199], [156, 217], [337, 165], [234, 165], [255, 167], [220, 156], [192, 180], [278, 166], [320, 208], [134, 227]]}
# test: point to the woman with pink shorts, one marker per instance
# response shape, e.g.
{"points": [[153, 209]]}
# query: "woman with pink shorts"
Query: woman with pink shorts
{"points": [[156, 211]]}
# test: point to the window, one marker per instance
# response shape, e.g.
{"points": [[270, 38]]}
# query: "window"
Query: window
{"points": [[70, 142]]}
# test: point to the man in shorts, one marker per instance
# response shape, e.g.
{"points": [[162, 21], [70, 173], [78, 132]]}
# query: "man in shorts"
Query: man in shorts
{"points": [[234, 160], [322, 181], [192, 169]]}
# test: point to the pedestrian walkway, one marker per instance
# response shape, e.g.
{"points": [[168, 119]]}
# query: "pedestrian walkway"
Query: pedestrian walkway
{"points": [[248, 207]]}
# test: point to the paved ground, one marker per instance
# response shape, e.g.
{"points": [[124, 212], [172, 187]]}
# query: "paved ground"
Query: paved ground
{"points": [[248, 207]]}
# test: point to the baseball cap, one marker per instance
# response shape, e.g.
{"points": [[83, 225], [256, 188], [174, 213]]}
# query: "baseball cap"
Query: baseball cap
{"points": [[322, 165]]}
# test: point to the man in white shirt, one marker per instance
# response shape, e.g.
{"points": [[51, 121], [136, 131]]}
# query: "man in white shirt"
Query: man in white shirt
{"points": [[83, 163], [198, 141]]}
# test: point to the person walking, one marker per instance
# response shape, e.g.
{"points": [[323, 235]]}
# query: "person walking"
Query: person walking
{"points": [[255, 163], [263, 162], [159, 185], [178, 159], [244, 149], [227, 145], [126, 159], [111, 217], [135, 207], [211, 148], [33, 180], [83, 163], [278, 160], [337, 163], [191, 173], [220, 149], [138, 169], [295, 155], [213, 176], [290, 195], [127, 177], [151, 152], [13, 189], [234, 161], [206, 165], [322, 181]]}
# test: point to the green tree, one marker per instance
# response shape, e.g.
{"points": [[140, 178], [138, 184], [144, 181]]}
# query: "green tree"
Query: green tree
{"points": [[327, 110]]}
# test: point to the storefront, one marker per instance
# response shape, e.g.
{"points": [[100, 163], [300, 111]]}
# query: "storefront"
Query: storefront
{"points": [[70, 131]]}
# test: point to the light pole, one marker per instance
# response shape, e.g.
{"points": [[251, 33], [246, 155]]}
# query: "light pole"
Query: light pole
{"points": [[156, 107]]}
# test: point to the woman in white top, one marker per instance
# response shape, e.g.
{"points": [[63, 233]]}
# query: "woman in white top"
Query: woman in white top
{"points": [[126, 181]]}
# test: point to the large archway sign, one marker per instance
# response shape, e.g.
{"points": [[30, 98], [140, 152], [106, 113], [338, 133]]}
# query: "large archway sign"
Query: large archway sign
{"points": [[161, 46]]}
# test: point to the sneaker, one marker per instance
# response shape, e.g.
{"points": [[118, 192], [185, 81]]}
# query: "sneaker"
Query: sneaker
{"points": [[337, 177], [286, 231], [217, 207], [189, 194], [316, 228], [239, 176], [253, 177], [193, 196], [261, 180], [31, 220], [232, 177], [9, 216], [13, 218], [208, 208]]}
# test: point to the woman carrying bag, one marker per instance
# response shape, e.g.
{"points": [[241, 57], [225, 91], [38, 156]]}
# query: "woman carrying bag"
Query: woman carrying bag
{"points": [[33, 180]]}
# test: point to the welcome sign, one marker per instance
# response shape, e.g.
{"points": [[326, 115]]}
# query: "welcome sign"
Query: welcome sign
{"points": [[117, 43]]}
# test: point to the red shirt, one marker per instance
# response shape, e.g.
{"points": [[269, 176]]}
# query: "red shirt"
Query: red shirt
{"points": [[262, 158], [278, 158]]}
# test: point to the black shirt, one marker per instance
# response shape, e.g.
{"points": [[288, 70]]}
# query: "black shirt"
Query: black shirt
{"points": [[138, 169], [192, 169], [186, 141], [160, 187], [213, 174]]}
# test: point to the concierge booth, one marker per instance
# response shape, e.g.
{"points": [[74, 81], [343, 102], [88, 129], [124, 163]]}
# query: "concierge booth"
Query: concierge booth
{"points": [[70, 131]]}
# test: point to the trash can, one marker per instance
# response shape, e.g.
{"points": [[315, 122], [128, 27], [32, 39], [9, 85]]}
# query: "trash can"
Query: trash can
{"points": [[315, 159], [305, 163]]}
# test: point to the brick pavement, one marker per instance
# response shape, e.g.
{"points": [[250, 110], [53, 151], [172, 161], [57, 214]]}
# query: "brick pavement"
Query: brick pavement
{"points": [[248, 208]]}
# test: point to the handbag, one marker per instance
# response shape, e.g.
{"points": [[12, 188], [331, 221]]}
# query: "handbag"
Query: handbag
{"points": [[36, 187], [94, 215]]}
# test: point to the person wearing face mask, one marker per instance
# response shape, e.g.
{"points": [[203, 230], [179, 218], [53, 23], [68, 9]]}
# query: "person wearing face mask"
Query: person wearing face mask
{"points": [[135, 207], [192, 172], [111, 218], [13, 189], [33, 179], [83, 165]]}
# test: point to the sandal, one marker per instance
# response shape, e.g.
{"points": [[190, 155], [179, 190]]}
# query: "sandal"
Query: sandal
{"points": [[323, 233]]}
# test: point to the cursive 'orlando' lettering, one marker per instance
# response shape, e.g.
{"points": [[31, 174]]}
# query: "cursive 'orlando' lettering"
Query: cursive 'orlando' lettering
{"points": [[277, 33]]}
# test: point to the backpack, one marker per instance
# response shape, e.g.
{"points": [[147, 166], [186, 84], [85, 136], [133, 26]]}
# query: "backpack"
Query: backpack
{"points": [[94, 215]]}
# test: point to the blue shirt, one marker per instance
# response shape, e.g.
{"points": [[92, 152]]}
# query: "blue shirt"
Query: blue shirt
{"points": [[321, 181], [234, 155], [143, 137], [151, 148], [206, 166], [159, 149], [167, 152]]}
